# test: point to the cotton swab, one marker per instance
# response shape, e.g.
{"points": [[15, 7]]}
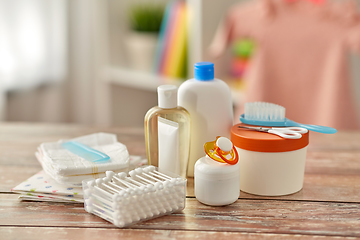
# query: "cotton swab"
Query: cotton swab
{"points": [[145, 194]]}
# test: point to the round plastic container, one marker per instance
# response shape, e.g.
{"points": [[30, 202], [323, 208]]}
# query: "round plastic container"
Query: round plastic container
{"points": [[269, 165], [216, 183]]}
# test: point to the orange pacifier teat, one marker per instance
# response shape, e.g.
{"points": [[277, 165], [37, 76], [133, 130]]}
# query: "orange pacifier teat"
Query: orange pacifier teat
{"points": [[222, 150]]}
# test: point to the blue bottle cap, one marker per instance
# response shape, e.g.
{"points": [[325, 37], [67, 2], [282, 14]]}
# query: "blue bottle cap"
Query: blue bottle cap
{"points": [[204, 71]]}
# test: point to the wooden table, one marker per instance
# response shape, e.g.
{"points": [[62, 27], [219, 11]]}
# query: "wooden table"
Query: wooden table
{"points": [[327, 207]]}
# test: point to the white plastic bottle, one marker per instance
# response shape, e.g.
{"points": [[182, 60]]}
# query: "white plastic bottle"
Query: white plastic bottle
{"points": [[208, 100]]}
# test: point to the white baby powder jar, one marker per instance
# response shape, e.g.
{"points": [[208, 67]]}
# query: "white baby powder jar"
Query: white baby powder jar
{"points": [[216, 183], [269, 165]]}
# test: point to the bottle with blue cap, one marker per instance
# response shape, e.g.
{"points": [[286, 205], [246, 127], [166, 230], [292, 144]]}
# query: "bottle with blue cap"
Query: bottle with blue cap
{"points": [[208, 101]]}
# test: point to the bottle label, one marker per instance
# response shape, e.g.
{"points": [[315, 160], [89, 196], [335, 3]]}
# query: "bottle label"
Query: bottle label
{"points": [[168, 144]]}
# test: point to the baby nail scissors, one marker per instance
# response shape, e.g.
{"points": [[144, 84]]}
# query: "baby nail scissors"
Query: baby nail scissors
{"points": [[285, 132]]}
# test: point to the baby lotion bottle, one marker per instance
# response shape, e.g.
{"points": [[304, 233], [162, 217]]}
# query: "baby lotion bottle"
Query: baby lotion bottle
{"points": [[208, 100], [167, 133]]}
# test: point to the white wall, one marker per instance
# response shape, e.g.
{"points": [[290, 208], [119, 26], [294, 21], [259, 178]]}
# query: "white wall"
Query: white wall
{"points": [[84, 97]]}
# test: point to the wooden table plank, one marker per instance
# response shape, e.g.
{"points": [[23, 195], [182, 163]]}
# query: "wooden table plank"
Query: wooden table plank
{"points": [[329, 176], [332, 174], [36, 133], [328, 205], [333, 188], [18, 142], [11, 176], [254, 216], [318, 187], [36, 233], [333, 162], [343, 140]]}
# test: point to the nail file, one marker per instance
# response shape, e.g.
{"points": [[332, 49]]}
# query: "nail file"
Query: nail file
{"points": [[86, 152]]}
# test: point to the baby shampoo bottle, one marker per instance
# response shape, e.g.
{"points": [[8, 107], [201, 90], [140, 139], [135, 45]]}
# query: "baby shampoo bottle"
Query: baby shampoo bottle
{"points": [[208, 101], [167, 133]]}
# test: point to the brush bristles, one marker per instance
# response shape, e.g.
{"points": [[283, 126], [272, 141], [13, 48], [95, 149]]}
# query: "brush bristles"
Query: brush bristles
{"points": [[263, 111]]}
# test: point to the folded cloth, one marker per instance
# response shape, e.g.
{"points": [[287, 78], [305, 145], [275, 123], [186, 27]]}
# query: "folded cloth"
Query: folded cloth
{"points": [[68, 168], [40, 198], [42, 187]]}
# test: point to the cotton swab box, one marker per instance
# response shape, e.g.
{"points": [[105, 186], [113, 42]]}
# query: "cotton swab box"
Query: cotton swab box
{"points": [[273, 115], [125, 200]]}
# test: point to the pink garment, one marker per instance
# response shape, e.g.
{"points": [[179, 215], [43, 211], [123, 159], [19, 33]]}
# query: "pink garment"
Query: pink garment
{"points": [[300, 60]]}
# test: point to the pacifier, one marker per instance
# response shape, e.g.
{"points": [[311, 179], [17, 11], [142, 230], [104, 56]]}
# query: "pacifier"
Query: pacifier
{"points": [[222, 150]]}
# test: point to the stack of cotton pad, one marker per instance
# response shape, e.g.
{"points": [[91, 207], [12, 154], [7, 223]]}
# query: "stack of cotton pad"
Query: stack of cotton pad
{"points": [[124, 200], [70, 169]]}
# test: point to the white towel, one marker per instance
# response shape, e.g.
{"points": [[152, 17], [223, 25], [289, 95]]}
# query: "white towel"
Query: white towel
{"points": [[67, 167]]}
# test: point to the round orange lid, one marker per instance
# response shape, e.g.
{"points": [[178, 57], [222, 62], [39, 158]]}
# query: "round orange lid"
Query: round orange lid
{"points": [[265, 142]]}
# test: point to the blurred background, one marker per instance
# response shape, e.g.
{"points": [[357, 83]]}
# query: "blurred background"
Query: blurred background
{"points": [[99, 62]]}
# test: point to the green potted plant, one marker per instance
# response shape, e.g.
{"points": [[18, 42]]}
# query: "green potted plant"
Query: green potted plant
{"points": [[144, 23], [146, 18]]}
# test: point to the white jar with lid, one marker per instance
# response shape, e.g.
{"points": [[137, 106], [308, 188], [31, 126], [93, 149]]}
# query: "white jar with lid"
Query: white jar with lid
{"points": [[269, 165], [216, 183]]}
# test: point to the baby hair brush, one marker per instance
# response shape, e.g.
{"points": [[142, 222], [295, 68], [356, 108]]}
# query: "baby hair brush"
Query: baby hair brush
{"points": [[273, 115]]}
